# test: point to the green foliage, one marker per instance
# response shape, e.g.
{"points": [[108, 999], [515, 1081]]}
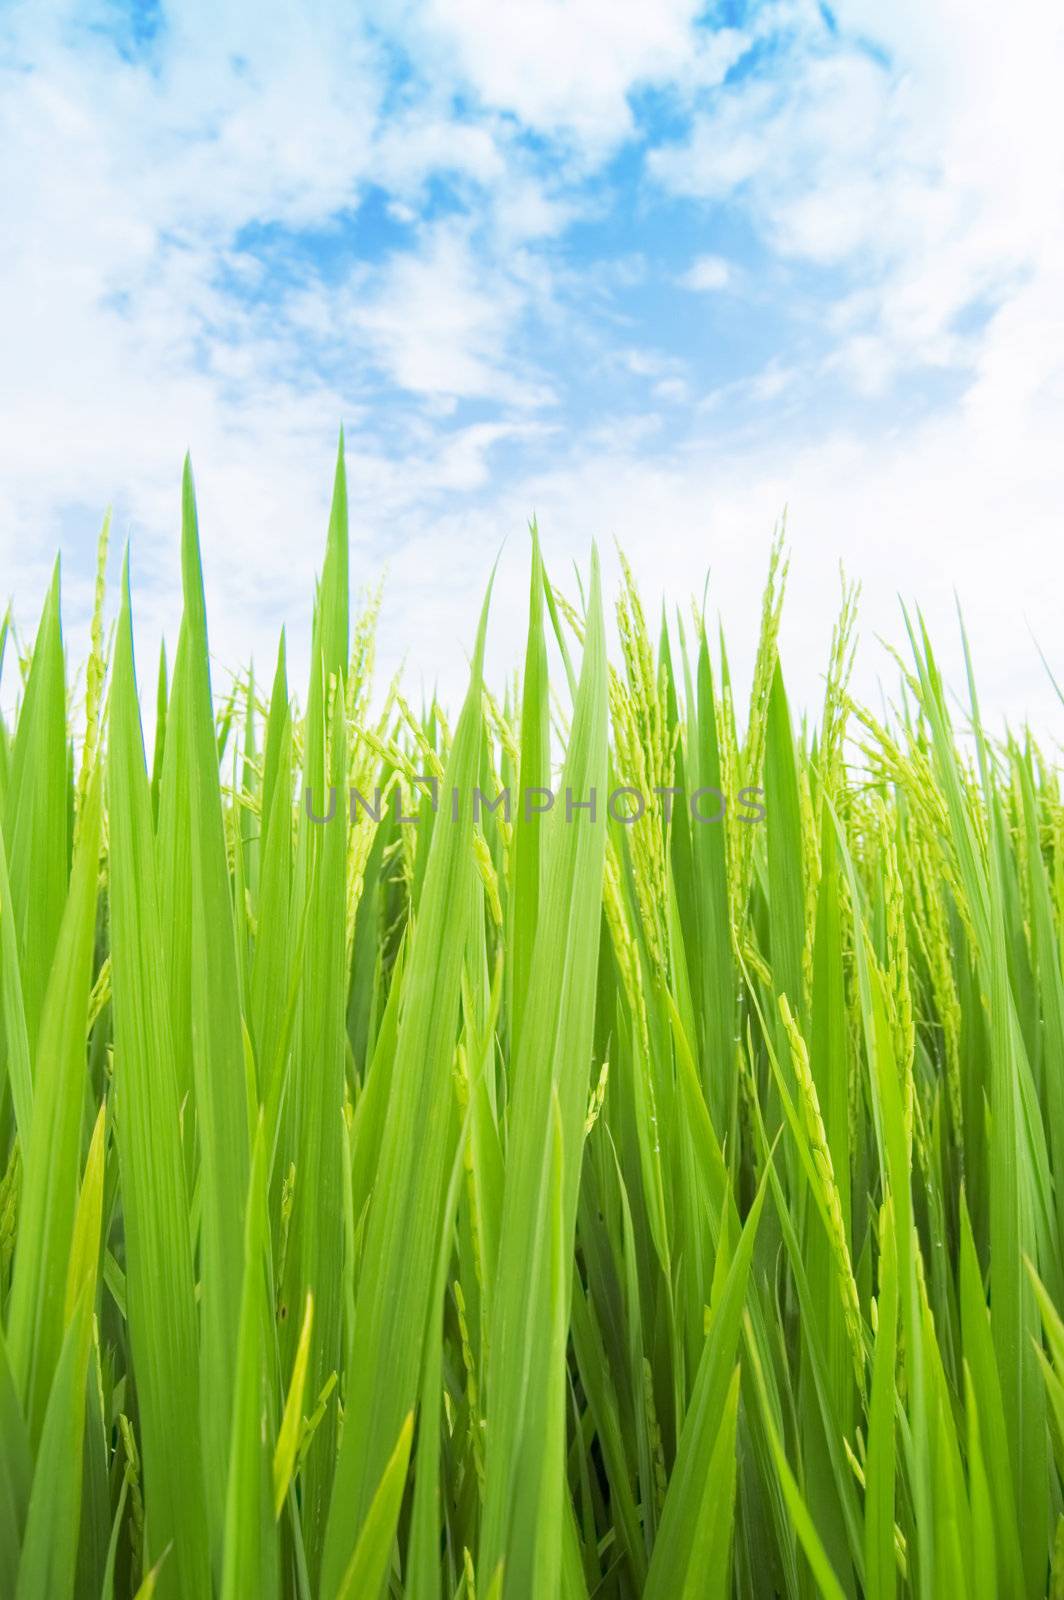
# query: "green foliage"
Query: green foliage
{"points": [[534, 1201]]}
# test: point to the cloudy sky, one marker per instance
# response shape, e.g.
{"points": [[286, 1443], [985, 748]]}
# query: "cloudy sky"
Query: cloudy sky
{"points": [[649, 270]]}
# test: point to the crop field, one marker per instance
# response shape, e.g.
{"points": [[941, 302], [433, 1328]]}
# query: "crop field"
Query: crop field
{"points": [[601, 1140]]}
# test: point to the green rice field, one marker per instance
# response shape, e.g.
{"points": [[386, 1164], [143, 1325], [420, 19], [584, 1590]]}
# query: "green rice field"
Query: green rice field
{"points": [[619, 1154]]}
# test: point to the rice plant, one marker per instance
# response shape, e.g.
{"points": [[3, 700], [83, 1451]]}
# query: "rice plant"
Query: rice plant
{"points": [[608, 1143]]}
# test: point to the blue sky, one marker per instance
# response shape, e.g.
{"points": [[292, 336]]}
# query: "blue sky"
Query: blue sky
{"points": [[650, 271]]}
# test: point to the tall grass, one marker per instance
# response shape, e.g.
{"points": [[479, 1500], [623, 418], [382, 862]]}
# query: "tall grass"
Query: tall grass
{"points": [[445, 1203]]}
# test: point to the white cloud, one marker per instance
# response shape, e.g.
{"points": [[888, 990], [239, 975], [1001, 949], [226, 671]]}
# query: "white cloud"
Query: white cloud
{"points": [[706, 274], [805, 145], [128, 313], [437, 322], [929, 170], [569, 66], [966, 504], [926, 175]]}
